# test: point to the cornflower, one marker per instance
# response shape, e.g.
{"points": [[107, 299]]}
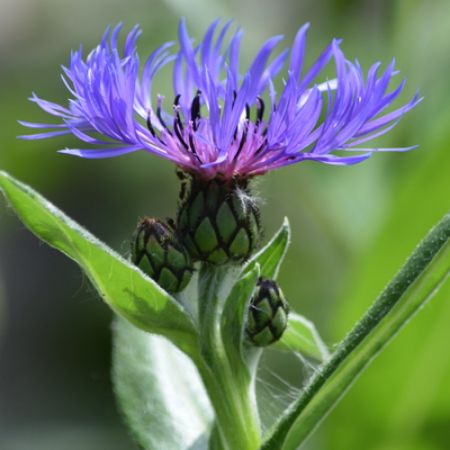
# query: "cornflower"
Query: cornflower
{"points": [[223, 123]]}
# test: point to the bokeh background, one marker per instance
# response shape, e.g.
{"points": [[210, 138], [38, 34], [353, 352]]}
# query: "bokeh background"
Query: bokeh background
{"points": [[352, 227]]}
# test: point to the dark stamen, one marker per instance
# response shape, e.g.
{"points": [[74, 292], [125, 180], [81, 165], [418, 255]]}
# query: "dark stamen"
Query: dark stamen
{"points": [[149, 125], [192, 146], [195, 110], [241, 144], [176, 108], [152, 130], [176, 127], [247, 111], [259, 110], [161, 120], [261, 147]]}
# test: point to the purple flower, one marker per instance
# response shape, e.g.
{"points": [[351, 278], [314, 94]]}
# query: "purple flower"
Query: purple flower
{"points": [[222, 123]]}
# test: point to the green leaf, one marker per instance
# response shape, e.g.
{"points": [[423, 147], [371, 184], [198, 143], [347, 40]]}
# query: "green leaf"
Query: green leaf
{"points": [[159, 390], [420, 278], [234, 315], [302, 336], [123, 287], [271, 256]]}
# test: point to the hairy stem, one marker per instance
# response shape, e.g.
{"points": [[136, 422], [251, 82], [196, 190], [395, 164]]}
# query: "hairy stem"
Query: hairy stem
{"points": [[424, 272], [231, 397]]}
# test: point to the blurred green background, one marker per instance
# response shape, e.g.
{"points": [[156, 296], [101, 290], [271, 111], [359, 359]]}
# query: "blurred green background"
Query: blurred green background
{"points": [[352, 227]]}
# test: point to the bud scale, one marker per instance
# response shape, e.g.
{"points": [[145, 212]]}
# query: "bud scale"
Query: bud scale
{"points": [[157, 251], [218, 220], [267, 315]]}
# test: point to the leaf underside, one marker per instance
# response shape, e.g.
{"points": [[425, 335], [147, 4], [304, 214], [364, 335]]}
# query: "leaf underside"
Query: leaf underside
{"points": [[159, 390]]}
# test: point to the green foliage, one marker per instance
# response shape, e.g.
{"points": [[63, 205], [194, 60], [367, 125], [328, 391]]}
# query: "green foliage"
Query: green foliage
{"points": [[302, 336], [159, 391], [121, 285], [145, 364], [234, 317], [271, 256], [421, 277]]}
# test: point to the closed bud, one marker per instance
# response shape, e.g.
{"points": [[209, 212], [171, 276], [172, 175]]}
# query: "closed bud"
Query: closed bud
{"points": [[267, 315], [157, 251], [218, 220]]}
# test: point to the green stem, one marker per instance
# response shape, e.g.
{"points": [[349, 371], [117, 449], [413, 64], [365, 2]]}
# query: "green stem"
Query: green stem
{"points": [[426, 270], [215, 439], [236, 412]]}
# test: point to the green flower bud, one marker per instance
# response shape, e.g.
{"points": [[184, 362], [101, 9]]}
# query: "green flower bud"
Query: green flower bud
{"points": [[157, 251], [218, 220], [267, 315]]}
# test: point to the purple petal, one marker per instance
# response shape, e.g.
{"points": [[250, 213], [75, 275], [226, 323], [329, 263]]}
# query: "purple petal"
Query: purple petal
{"points": [[208, 130], [257, 67], [298, 51], [41, 125], [103, 153], [49, 134], [321, 62]]}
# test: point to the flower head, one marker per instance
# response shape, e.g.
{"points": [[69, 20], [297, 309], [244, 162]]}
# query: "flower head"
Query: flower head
{"points": [[222, 123]]}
